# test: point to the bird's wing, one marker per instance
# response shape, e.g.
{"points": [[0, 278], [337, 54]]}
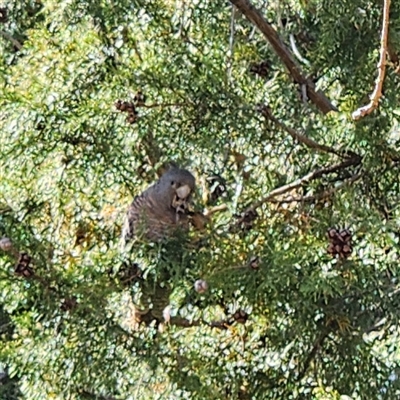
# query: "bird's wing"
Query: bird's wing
{"points": [[134, 215], [147, 215]]}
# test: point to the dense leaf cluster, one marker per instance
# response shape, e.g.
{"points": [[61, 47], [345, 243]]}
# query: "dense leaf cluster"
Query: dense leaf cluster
{"points": [[283, 318]]}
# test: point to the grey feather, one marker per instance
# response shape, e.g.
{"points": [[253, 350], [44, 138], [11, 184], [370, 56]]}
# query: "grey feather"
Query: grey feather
{"points": [[158, 211]]}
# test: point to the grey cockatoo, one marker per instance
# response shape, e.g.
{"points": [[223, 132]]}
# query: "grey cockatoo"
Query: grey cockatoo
{"points": [[159, 213], [162, 208]]}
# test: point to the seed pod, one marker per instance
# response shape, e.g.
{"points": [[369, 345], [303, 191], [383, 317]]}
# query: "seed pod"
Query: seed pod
{"points": [[339, 242], [261, 69], [69, 303], [23, 268], [3, 15], [345, 234], [6, 244], [331, 233], [217, 187], [131, 118], [247, 219], [129, 272], [123, 106], [199, 220], [331, 249], [241, 316], [254, 262], [139, 98], [130, 108], [347, 248], [200, 286]]}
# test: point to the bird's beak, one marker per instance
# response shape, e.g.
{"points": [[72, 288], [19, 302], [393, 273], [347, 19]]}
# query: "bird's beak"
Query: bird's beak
{"points": [[183, 191], [180, 201]]}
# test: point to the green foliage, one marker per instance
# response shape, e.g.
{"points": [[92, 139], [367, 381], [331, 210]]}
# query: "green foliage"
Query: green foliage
{"points": [[315, 326]]}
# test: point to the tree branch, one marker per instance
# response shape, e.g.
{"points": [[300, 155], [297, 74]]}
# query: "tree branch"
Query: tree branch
{"points": [[266, 112], [299, 182], [394, 58], [231, 45], [255, 17], [319, 196], [214, 210], [163, 105], [377, 93], [185, 323], [15, 42], [317, 345]]}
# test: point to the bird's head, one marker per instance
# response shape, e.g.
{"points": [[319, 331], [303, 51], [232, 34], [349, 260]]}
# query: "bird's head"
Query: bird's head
{"points": [[178, 185]]}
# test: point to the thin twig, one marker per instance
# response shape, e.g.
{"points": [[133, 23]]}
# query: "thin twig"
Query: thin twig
{"points": [[163, 105], [316, 347], [256, 17], [185, 323], [318, 196], [253, 31], [298, 136], [394, 58], [231, 44], [211, 211], [299, 182], [15, 42], [136, 50], [153, 152], [3, 15], [296, 51], [377, 93]]}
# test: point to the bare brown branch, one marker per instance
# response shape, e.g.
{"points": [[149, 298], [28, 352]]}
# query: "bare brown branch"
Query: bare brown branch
{"points": [[185, 323], [298, 136], [377, 93], [153, 152], [314, 351], [163, 105], [216, 209], [394, 58], [319, 196], [3, 15], [356, 160], [255, 16], [15, 42]]}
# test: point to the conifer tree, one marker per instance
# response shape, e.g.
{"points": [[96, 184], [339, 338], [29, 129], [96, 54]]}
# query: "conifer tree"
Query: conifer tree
{"points": [[287, 285]]}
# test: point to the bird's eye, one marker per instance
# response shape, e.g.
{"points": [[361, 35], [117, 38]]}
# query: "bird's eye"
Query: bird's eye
{"points": [[172, 183]]}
